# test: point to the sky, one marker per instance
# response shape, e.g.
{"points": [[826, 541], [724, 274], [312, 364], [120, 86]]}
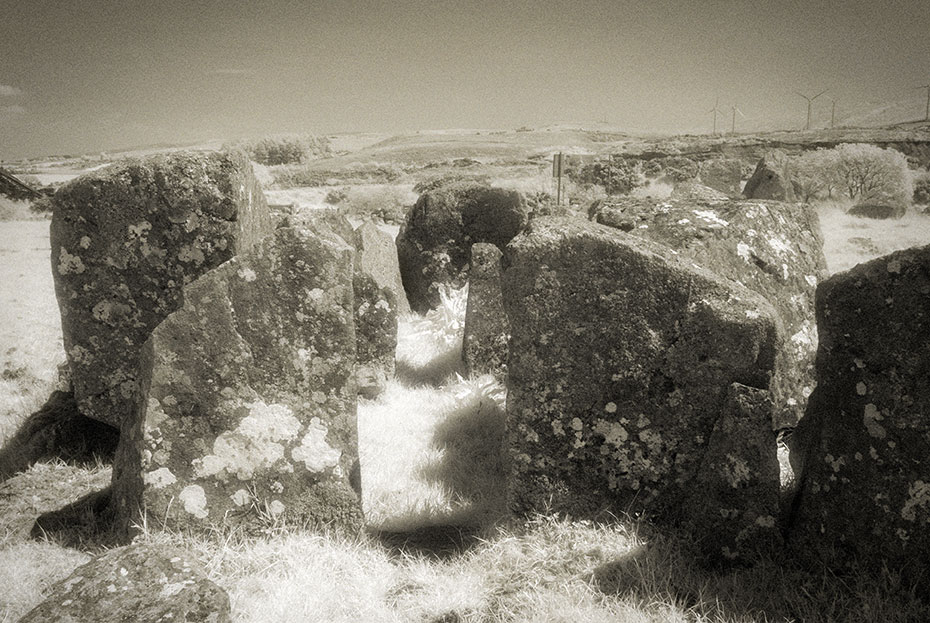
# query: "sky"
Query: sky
{"points": [[85, 76]]}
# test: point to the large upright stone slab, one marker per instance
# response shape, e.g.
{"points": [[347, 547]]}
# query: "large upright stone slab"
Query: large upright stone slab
{"points": [[434, 243], [376, 255], [125, 240], [770, 247], [769, 181], [248, 405], [622, 357], [486, 334], [862, 450]]}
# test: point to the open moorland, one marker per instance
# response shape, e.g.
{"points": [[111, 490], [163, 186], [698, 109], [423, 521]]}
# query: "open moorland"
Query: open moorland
{"points": [[439, 545]]}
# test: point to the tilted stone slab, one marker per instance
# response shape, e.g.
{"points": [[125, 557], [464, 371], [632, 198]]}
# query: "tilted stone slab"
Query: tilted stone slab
{"points": [[434, 243], [487, 331], [769, 181], [621, 357], [249, 400], [142, 582], [734, 503], [376, 255], [125, 240], [770, 247], [861, 451]]}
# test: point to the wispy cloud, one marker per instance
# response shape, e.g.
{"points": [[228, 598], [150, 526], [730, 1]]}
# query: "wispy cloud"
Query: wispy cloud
{"points": [[8, 91], [231, 71], [9, 112]]}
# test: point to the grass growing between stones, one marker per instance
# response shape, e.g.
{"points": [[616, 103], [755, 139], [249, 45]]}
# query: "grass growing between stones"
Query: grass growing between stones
{"points": [[438, 549]]}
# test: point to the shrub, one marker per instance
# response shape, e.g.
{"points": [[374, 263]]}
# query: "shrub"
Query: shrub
{"points": [[289, 149], [867, 173], [680, 169], [335, 196], [922, 188], [618, 176], [813, 174]]}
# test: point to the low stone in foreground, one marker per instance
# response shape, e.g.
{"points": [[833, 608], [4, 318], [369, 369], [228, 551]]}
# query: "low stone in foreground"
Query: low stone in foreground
{"points": [[248, 409], [124, 241], [621, 361], [135, 583], [861, 450]]}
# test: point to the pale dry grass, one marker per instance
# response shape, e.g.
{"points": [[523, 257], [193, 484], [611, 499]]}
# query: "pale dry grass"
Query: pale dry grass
{"points": [[850, 240]]}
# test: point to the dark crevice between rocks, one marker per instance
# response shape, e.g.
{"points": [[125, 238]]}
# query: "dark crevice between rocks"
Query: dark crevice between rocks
{"points": [[435, 542], [58, 431]]}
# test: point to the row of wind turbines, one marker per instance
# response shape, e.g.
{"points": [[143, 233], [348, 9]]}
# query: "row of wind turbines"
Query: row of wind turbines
{"points": [[810, 101]]}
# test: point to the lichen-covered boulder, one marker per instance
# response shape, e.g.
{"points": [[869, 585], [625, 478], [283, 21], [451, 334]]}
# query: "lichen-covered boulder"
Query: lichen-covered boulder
{"points": [[733, 506], [248, 408], [770, 247], [434, 243], [722, 174], [861, 451], [487, 331], [768, 182], [376, 256], [697, 193], [621, 358], [142, 582], [125, 240]]}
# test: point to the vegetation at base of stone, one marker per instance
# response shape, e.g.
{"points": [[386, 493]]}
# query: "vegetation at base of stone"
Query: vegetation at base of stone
{"points": [[285, 149], [863, 173], [922, 188], [13, 210], [386, 202]]}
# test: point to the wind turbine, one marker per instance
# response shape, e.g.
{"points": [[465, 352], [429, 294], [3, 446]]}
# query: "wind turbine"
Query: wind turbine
{"points": [[716, 110], [735, 110], [810, 100], [927, 114]]}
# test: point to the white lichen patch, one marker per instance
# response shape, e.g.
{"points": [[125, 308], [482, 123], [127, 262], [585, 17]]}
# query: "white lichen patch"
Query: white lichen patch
{"points": [[894, 266], [871, 418], [241, 497], [68, 264], [247, 274], [811, 280], [255, 443], [610, 407], [806, 336], [188, 253], [861, 389], [161, 477], [276, 507], [779, 245], [314, 451], [744, 251], [194, 499], [765, 521], [85, 242], [613, 432], [711, 217], [834, 463], [918, 497], [736, 471]]}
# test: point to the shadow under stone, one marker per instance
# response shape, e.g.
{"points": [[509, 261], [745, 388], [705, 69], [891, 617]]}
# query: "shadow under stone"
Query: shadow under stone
{"points": [[435, 542], [87, 524], [431, 373], [58, 430]]}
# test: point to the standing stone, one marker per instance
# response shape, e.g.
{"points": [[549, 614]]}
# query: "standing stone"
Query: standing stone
{"points": [[248, 406], [376, 333], [861, 450], [621, 360], [434, 243], [145, 583], [125, 240], [768, 182], [770, 247], [376, 256], [733, 505], [487, 332], [722, 174]]}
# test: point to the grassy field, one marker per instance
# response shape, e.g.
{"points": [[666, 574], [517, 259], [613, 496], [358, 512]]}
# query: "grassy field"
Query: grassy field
{"points": [[430, 453]]}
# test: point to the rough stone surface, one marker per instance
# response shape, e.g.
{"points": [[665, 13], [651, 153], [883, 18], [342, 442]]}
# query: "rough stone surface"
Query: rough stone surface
{"points": [[722, 174], [877, 211], [767, 182], [434, 243], [376, 256], [621, 360], [376, 333], [733, 506], [861, 451], [773, 248], [248, 409], [146, 583], [125, 240], [697, 193], [486, 332]]}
